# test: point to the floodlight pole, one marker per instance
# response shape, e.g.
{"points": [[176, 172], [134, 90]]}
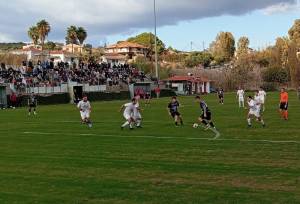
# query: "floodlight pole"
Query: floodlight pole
{"points": [[155, 40]]}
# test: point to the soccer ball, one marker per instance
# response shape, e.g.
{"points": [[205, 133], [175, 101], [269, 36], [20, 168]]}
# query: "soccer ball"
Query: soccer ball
{"points": [[195, 125]]}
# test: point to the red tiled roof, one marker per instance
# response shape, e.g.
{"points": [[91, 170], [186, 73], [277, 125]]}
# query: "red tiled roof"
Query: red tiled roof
{"points": [[126, 44], [188, 78]]}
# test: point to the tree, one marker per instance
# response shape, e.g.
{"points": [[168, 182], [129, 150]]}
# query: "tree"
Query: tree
{"points": [[72, 36], [81, 36], [198, 58], [49, 46], [294, 32], [148, 40], [281, 51], [242, 46], [223, 47], [43, 29], [33, 34]]}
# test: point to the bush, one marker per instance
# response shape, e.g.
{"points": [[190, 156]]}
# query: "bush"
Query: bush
{"points": [[164, 93], [270, 86], [277, 75]]}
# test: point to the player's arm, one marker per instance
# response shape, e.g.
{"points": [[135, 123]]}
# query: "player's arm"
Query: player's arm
{"points": [[122, 108]]}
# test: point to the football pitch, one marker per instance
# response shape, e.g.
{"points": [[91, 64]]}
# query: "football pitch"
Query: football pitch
{"points": [[52, 158]]}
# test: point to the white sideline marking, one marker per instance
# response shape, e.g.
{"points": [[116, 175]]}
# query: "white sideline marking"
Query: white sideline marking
{"points": [[169, 137]]}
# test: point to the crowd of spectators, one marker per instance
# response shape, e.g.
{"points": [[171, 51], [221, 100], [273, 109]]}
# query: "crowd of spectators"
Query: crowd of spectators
{"points": [[48, 74]]}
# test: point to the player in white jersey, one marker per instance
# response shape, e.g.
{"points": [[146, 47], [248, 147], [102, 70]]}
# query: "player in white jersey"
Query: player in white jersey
{"points": [[258, 101], [137, 116], [128, 113], [254, 111], [85, 111], [241, 97], [262, 94]]}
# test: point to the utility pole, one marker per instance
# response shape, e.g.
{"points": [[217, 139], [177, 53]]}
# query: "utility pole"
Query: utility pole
{"points": [[155, 40], [191, 46]]}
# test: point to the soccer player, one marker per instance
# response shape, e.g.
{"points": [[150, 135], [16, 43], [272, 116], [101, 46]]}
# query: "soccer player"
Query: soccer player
{"points": [[137, 116], [284, 104], [254, 111], [206, 116], [241, 97], [262, 94], [32, 104], [128, 113], [85, 111], [147, 98], [221, 95], [173, 111]]}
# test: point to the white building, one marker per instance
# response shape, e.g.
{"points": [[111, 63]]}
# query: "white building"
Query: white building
{"points": [[63, 56], [30, 52], [188, 85]]}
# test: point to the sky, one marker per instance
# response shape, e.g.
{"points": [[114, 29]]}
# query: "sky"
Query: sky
{"points": [[182, 24]]}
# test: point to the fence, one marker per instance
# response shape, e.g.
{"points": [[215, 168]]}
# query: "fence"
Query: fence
{"points": [[63, 88]]}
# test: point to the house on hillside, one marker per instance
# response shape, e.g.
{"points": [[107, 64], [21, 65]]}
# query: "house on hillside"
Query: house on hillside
{"points": [[29, 52], [189, 85], [63, 56], [73, 48], [123, 52]]}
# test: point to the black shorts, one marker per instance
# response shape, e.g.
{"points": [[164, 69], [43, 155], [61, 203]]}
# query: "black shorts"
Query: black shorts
{"points": [[32, 105], [176, 113], [221, 96], [284, 106], [208, 116]]}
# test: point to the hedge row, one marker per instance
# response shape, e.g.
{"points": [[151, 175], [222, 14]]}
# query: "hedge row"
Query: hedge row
{"points": [[103, 96], [93, 96]]}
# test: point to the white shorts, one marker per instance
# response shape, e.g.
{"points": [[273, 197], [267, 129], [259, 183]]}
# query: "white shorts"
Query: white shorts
{"points": [[84, 114], [127, 116], [256, 113], [241, 100]]}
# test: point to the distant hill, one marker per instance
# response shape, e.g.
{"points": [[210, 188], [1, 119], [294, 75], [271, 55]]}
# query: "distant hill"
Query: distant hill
{"points": [[11, 46]]}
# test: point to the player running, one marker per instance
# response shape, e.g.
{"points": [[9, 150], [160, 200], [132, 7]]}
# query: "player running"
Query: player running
{"points": [[206, 117], [128, 113], [85, 111], [262, 94], [284, 104], [254, 111], [173, 107], [137, 116], [241, 97], [221, 95], [32, 104]]}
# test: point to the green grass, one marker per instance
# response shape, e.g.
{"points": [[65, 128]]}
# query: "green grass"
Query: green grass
{"points": [[63, 161]]}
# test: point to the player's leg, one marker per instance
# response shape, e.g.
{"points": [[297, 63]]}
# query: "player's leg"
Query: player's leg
{"points": [[249, 119], [180, 119], [29, 110], [127, 118], [34, 110], [176, 119], [131, 123]]}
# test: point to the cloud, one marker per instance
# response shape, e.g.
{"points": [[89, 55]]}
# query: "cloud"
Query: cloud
{"points": [[108, 17], [281, 8]]}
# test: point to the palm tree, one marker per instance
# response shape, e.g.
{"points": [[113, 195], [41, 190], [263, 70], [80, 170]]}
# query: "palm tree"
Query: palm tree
{"points": [[44, 29], [81, 36], [33, 34], [72, 36]]}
